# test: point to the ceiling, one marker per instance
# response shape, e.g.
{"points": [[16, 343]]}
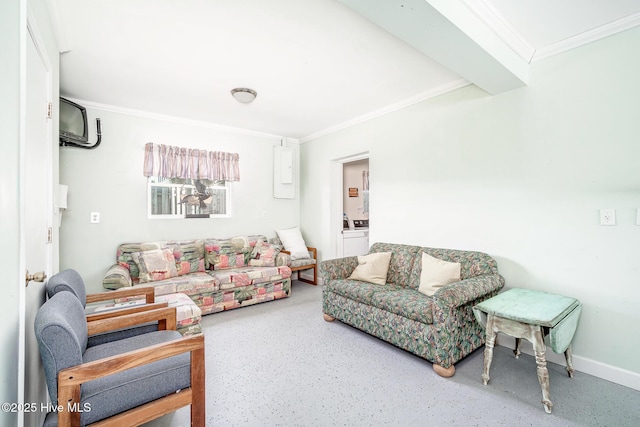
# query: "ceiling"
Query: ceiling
{"points": [[317, 65]]}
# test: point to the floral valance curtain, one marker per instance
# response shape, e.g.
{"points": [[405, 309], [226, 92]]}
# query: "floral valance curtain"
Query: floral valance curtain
{"points": [[167, 161]]}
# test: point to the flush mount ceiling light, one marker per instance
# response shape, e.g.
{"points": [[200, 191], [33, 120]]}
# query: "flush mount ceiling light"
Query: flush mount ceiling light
{"points": [[244, 95]]}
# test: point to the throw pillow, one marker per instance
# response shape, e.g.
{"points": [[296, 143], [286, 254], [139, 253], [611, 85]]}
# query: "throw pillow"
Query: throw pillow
{"points": [[437, 273], [189, 256], [158, 264], [264, 254], [293, 242], [372, 268]]}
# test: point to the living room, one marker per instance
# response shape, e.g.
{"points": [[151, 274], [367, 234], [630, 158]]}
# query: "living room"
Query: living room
{"points": [[521, 175]]}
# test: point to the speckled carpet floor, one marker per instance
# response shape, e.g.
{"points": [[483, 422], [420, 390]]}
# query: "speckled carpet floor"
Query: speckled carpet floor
{"points": [[281, 364]]}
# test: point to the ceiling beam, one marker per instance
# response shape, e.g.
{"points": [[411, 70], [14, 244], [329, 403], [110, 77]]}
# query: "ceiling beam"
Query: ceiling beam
{"points": [[450, 33]]}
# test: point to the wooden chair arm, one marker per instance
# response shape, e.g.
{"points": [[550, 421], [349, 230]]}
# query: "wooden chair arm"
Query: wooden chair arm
{"points": [[166, 318], [124, 311], [90, 371], [147, 291], [70, 379]]}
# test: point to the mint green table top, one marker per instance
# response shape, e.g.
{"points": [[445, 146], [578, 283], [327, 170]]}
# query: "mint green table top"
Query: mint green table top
{"points": [[558, 313], [529, 306]]}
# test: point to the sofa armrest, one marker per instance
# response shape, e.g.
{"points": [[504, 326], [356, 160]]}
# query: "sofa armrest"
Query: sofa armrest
{"points": [[337, 268], [117, 277], [468, 290], [283, 259]]}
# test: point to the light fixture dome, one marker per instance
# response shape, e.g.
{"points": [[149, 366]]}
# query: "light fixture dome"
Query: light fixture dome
{"points": [[244, 95]]}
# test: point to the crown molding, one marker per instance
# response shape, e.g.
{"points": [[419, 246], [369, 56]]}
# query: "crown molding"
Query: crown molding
{"points": [[440, 90], [590, 36], [174, 119], [488, 14], [512, 38]]}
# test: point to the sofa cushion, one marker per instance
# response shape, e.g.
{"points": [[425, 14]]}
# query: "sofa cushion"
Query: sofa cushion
{"points": [[238, 277], [264, 254], [190, 284], [437, 273], [234, 252], [303, 262], [187, 311], [405, 302], [154, 265], [355, 289], [402, 264], [472, 263], [372, 268], [189, 256], [124, 258], [246, 295], [231, 260]]}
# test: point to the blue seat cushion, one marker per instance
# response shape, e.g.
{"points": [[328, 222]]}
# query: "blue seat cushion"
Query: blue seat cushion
{"points": [[125, 390]]}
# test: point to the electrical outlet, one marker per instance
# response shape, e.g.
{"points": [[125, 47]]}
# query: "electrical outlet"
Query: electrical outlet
{"points": [[638, 216], [607, 217], [265, 215], [95, 218]]}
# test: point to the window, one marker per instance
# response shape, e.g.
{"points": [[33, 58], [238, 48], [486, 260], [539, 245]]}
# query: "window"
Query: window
{"points": [[188, 198]]}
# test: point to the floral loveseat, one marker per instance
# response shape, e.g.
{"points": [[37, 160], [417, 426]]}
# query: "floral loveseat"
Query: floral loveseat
{"points": [[440, 328], [217, 274]]}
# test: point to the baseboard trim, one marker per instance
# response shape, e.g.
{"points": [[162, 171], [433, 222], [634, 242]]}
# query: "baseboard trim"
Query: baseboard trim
{"points": [[588, 366]]}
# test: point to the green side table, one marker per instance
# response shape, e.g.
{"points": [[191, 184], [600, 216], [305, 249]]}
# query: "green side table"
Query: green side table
{"points": [[529, 314]]}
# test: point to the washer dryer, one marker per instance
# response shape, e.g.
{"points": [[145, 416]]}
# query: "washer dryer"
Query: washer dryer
{"points": [[356, 238]]}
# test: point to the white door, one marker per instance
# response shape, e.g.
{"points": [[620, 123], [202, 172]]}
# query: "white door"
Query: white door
{"points": [[38, 216]]}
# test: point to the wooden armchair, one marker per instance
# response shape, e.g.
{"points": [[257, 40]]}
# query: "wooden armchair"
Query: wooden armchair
{"points": [[310, 263], [125, 382]]}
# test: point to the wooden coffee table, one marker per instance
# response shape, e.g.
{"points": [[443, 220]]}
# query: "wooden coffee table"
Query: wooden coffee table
{"points": [[529, 314]]}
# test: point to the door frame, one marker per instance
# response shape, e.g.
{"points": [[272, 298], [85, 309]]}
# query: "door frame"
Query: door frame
{"points": [[336, 203]]}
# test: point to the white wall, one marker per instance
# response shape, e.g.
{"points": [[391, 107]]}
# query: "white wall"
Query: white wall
{"points": [[109, 180], [520, 176]]}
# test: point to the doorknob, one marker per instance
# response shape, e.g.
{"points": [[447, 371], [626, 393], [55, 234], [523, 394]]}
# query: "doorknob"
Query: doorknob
{"points": [[37, 277]]}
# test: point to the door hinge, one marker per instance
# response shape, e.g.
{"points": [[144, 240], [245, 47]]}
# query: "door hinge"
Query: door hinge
{"points": [[49, 110], [49, 235]]}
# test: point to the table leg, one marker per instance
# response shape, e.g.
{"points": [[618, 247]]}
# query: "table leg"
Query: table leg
{"points": [[516, 351], [488, 348], [568, 355], [541, 362]]}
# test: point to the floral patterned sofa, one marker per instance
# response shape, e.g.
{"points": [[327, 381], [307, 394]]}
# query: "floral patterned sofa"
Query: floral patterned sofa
{"points": [[440, 328], [217, 274]]}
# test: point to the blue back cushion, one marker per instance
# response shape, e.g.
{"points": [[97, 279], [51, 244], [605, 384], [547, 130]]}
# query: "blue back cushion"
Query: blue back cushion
{"points": [[61, 330], [68, 280]]}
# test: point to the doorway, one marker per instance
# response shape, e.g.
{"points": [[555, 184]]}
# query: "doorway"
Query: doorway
{"points": [[353, 165]]}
